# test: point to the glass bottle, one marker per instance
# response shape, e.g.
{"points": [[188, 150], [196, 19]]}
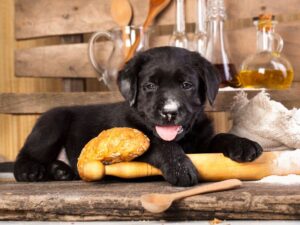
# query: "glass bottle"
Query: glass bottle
{"points": [[179, 37], [200, 37], [267, 68], [216, 51]]}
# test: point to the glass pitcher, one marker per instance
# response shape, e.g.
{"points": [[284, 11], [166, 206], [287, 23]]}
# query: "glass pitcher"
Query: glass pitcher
{"points": [[122, 39], [267, 68]]}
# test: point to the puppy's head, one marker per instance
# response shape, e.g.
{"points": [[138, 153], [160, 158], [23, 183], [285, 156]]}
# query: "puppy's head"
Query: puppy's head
{"points": [[168, 87]]}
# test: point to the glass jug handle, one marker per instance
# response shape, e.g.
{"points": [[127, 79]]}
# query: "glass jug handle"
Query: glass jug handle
{"points": [[100, 69], [276, 37]]}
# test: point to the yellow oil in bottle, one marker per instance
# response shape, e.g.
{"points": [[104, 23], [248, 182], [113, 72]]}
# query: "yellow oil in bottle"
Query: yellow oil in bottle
{"points": [[264, 78]]}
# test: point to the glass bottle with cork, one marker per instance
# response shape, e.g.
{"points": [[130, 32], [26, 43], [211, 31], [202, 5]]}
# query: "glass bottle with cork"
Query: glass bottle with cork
{"points": [[267, 68], [217, 51]]}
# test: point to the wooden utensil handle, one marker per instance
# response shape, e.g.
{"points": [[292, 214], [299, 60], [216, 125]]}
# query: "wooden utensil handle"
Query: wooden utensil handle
{"points": [[125, 38], [216, 167], [133, 48], [219, 186]]}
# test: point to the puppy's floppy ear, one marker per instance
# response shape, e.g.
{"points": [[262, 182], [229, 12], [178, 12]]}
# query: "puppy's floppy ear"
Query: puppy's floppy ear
{"points": [[209, 75], [128, 78]]}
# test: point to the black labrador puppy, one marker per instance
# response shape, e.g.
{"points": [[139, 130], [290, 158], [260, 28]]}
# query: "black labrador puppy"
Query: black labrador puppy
{"points": [[165, 90]]}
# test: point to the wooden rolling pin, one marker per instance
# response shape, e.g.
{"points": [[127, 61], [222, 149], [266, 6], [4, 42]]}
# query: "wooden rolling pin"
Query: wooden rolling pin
{"points": [[211, 167]]}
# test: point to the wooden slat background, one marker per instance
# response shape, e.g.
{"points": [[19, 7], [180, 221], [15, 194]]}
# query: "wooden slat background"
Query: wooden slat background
{"points": [[78, 16], [69, 17], [72, 17], [67, 60], [14, 129], [32, 103], [250, 8]]}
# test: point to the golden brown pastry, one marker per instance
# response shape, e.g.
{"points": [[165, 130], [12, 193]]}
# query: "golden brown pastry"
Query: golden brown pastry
{"points": [[120, 144]]}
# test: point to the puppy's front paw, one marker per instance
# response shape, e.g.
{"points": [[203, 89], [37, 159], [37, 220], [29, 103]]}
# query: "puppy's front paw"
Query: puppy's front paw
{"points": [[180, 172], [243, 150], [29, 171], [60, 171]]}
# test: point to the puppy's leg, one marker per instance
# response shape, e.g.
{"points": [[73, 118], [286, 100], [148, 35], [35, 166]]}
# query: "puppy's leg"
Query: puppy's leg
{"points": [[34, 162], [236, 148], [169, 157]]}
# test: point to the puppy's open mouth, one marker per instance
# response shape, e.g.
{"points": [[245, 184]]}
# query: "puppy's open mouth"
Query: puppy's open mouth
{"points": [[168, 133]]}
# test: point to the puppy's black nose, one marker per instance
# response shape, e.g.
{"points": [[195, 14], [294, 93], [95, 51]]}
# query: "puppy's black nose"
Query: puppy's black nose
{"points": [[169, 114]]}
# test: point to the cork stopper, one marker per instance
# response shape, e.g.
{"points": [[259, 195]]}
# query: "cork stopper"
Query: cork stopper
{"points": [[265, 22]]}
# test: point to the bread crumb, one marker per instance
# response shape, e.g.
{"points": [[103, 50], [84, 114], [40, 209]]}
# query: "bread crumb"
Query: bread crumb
{"points": [[215, 221]]}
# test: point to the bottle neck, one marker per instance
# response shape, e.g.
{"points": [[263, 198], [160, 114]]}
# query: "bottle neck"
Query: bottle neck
{"points": [[263, 40], [201, 13], [180, 17], [216, 10], [215, 30], [216, 51]]}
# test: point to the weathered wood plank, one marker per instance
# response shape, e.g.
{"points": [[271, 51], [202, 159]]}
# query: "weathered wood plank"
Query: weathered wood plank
{"points": [[71, 84], [72, 60], [252, 8], [61, 17], [59, 61], [70, 201], [31, 103], [77, 16], [65, 60], [68, 17], [289, 98]]}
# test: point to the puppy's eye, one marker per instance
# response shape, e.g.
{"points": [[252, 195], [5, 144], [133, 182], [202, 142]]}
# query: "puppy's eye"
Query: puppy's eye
{"points": [[187, 85], [150, 86]]}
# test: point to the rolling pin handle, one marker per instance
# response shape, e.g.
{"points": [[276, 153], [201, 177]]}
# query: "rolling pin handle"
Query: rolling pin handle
{"points": [[92, 171]]}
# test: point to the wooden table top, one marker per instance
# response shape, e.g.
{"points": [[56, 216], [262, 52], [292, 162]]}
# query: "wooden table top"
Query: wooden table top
{"points": [[119, 200]]}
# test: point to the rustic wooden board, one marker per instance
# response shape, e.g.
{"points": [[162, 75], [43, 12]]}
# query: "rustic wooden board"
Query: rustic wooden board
{"points": [[68, 17], [251, 8], [59, 60], [31, 103], [80, 201], [77, 16], [72, 60], [289, 98]]}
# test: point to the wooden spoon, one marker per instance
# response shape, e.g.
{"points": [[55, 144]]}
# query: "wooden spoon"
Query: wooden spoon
{"points": [[156, 6], [157, 203], [121, 12]]}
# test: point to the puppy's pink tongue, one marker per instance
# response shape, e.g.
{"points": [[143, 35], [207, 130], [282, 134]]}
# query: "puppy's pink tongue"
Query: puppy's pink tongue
{"points": [[167, 133]]}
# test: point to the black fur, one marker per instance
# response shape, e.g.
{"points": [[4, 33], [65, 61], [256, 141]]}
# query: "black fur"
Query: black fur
{"points": [[146, 82]]}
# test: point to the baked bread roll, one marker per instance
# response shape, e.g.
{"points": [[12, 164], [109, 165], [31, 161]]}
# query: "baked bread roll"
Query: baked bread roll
{"points": [[120, 144]]}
